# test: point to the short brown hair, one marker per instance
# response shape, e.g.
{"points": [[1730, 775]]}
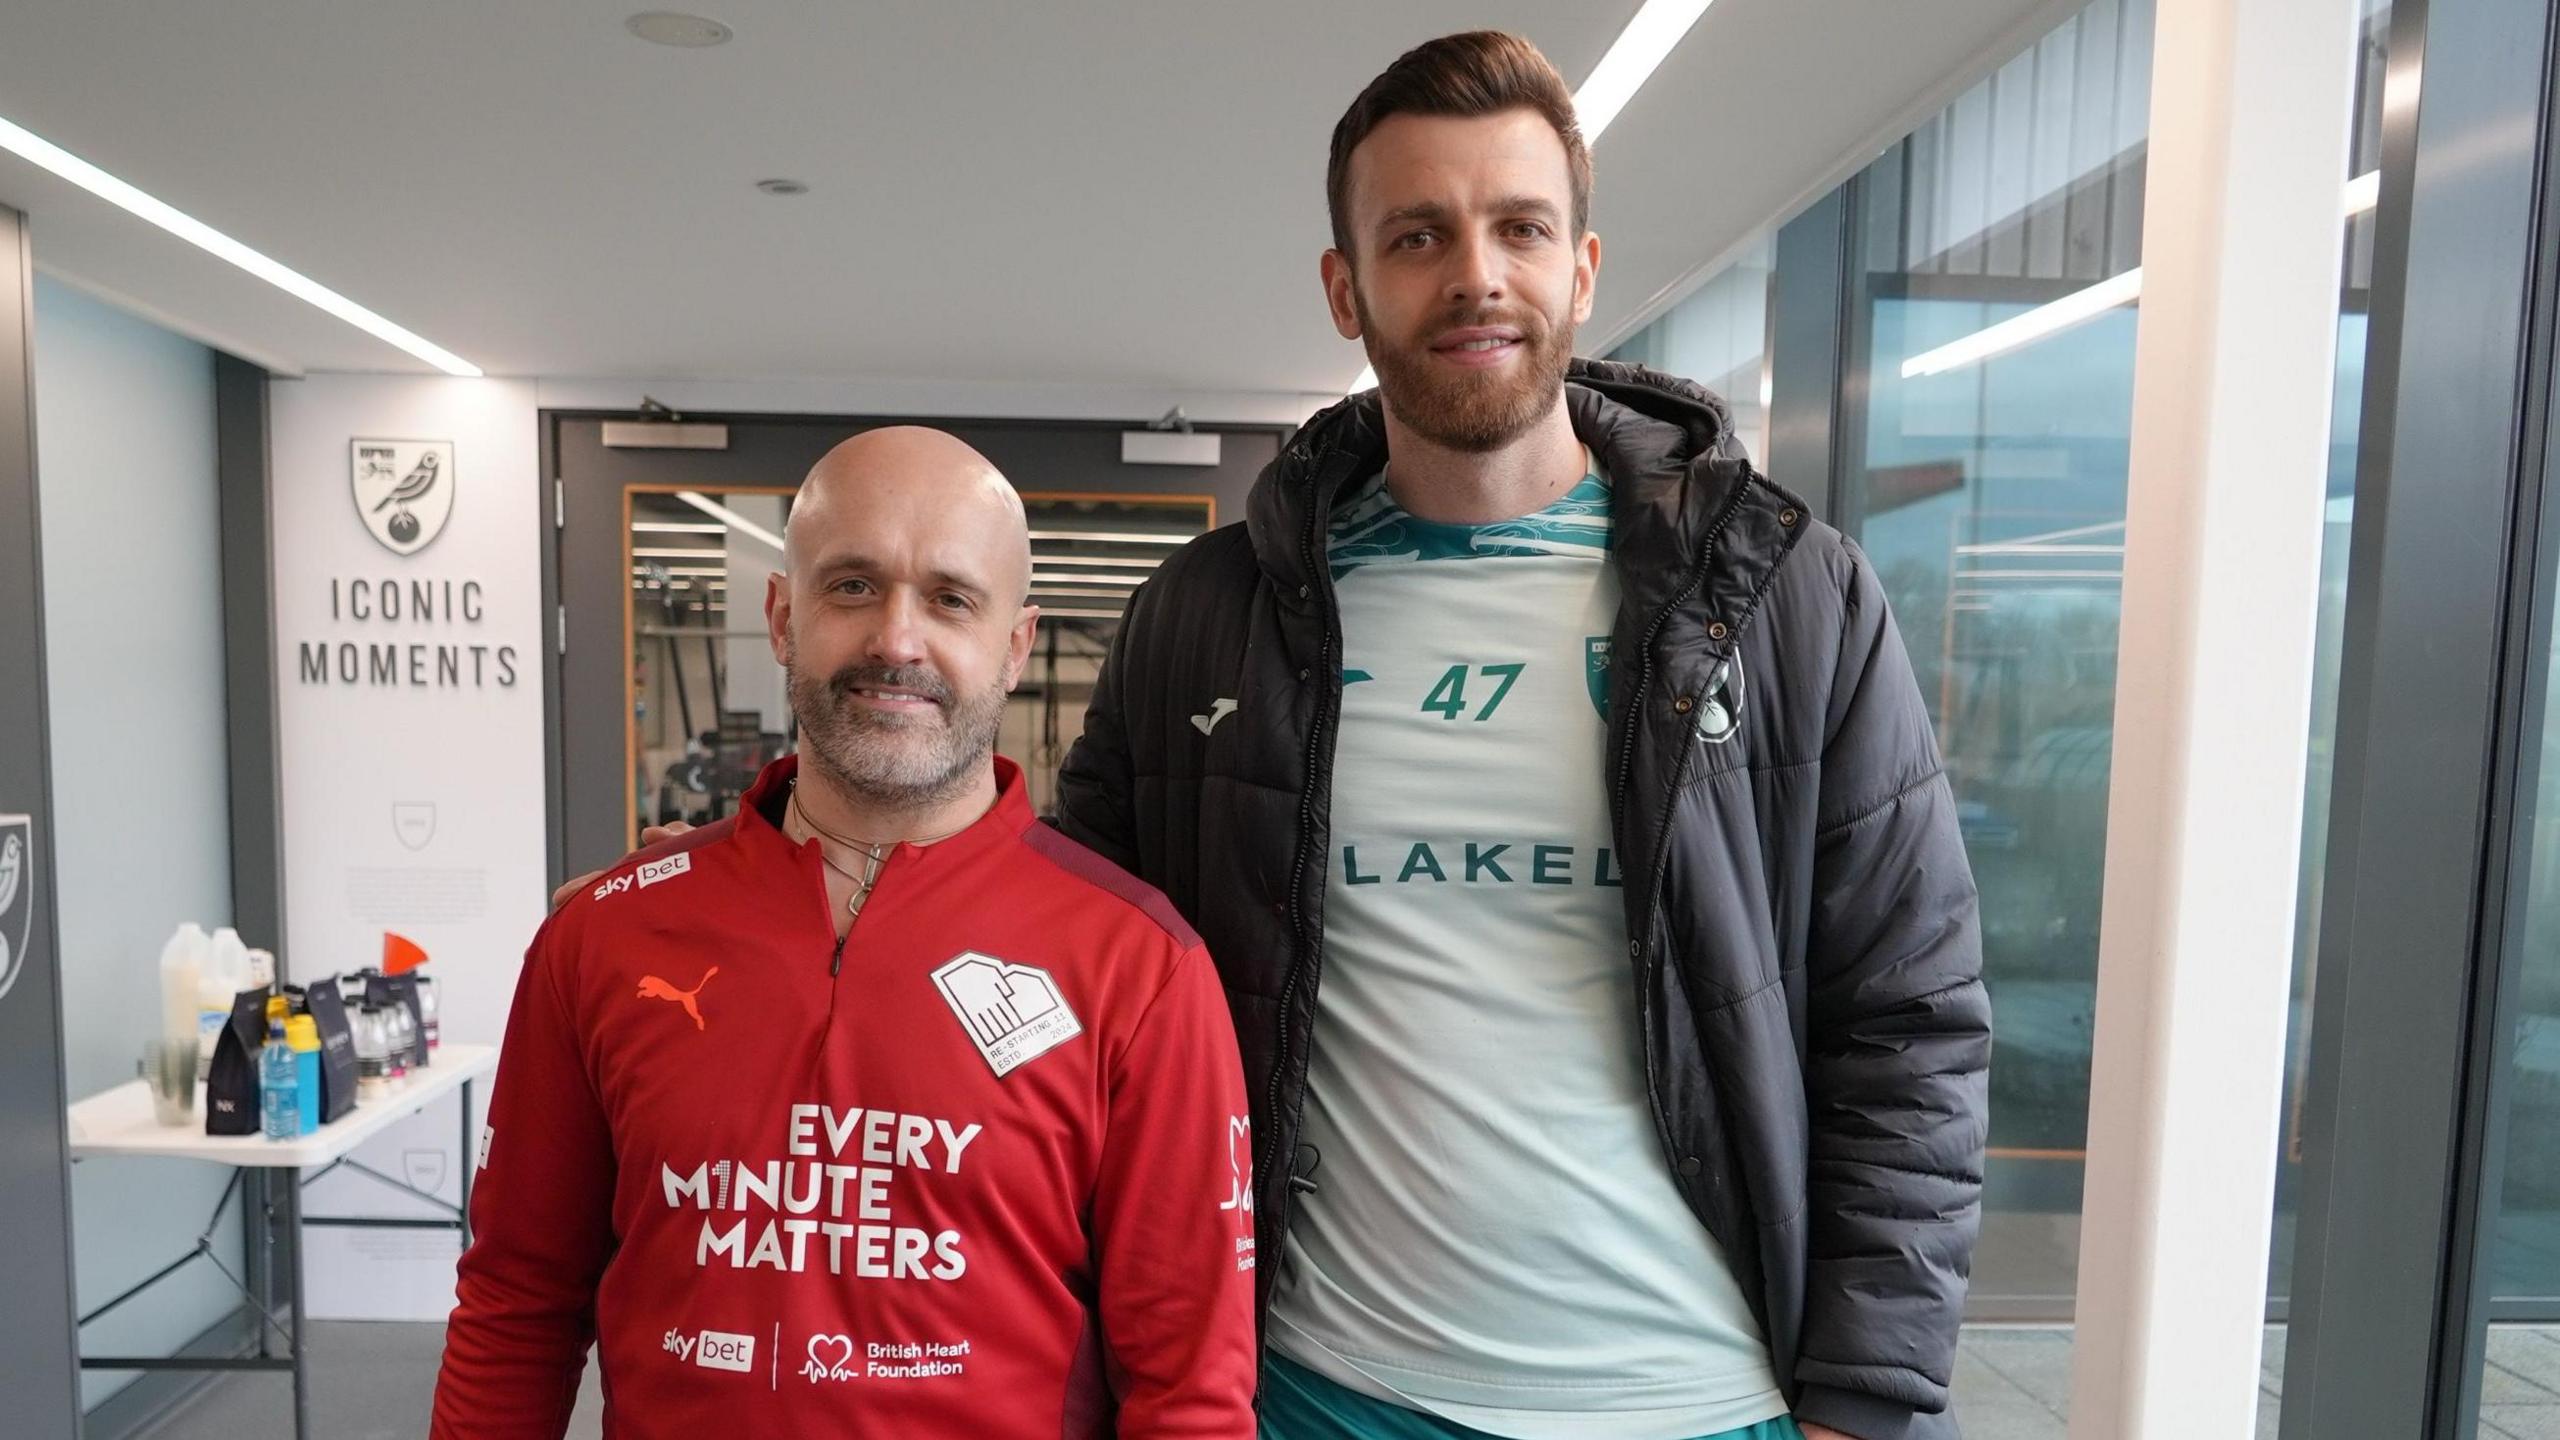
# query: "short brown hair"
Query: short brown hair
{"points": [[1481, 72]]}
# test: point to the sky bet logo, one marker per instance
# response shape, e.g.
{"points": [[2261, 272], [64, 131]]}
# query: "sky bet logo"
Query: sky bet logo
{"points": [[713, 1350], [647, 875]]}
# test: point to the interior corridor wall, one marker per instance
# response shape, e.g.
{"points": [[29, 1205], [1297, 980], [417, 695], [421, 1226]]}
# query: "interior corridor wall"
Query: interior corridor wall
{"points": [[134, 645], [410, 728]]}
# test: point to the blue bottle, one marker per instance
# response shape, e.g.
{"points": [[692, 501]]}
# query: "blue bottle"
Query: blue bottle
{"points": [[302, 1033], [279, 1086]]}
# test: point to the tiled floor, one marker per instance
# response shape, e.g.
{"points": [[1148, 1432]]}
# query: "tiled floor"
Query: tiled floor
{"points": [[374, 1382], [368, 1382], [2014, 1383]]}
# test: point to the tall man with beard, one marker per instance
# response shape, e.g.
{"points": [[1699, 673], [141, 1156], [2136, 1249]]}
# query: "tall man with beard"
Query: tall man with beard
{"points": [[879, 1108], [1557, 799]]}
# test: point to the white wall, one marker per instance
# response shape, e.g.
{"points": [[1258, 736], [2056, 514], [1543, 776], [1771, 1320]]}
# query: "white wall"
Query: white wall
{"points": [[466, 742], [133, 641]]}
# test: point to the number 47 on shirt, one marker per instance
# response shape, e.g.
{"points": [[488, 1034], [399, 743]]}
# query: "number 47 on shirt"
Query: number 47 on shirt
{"points": [[1448, 699]]}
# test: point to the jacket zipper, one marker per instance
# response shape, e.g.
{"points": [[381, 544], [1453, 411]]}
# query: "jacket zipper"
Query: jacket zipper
{"points": [[1647, 945], [1328, 701]]}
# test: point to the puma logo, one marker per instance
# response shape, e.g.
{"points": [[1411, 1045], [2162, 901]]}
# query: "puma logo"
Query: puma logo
{"points": [[1217, 712], [653, 988]]}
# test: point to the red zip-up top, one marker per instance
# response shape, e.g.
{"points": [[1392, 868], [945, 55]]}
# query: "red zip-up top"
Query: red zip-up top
{"points": [[981, 1170]]}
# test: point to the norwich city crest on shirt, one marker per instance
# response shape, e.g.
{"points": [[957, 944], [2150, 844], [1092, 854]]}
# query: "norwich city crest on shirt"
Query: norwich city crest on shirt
{"points": [[1595, 671]]}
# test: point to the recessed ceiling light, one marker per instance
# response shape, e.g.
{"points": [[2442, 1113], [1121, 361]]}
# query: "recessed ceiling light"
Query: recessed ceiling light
{"points": [[685, 32], [781, 186]]}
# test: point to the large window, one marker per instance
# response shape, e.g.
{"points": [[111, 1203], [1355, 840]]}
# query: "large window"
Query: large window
{"points": [[1954, 347], [2523, 1384], [1719, 337], [1982, 332], [1992, 347], [1981, 442]]}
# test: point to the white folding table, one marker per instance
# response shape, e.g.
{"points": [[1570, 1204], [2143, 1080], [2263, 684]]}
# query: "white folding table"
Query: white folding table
{"points": [[119, 1122]]}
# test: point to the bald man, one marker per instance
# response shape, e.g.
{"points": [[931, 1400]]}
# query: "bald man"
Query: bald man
{"points": [[878, 1109]]}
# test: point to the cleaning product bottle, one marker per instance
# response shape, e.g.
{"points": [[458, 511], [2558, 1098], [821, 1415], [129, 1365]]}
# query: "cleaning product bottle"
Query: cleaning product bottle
{"points": [[262, 970], [224, 976], [400, 1039], [181, 965], [279, 1084], [302, 1035], [431, 1011], [373, 1056]]}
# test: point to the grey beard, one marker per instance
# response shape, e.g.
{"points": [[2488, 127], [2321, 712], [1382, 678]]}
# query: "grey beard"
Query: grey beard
{"points": [[895, 764]]}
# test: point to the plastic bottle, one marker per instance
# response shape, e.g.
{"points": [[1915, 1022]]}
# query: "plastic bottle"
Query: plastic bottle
{"points": [[400, 1041], [181, 967], [372, 1054], [262, 970], [279, 1085], [302, 1036], [430, 1009], [224, 975]]}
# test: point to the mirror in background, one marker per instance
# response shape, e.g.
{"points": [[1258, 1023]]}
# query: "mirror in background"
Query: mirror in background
{"points": [[709, 708], [708, 705]]}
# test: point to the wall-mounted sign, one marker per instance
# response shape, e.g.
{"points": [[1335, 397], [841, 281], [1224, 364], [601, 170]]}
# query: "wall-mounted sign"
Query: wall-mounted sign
{"points": [[407, 619], [404, 490]]}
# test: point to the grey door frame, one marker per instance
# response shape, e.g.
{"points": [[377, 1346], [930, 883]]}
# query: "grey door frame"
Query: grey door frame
{"points": [[39, 1360]]}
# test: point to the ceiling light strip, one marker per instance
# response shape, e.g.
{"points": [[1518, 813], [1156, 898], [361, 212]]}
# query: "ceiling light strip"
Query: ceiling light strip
{"points": [[1131, 564], [731, 518], [1640, 50], [2361, 194], [2076, 308], [39, 151], [1091, 577], [1121, 537]]}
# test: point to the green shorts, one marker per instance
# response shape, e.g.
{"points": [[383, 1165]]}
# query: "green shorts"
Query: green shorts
{"points": [[1299, 1404]]}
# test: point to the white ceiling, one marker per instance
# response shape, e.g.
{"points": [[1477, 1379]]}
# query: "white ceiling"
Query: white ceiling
{"points": [[1125, 194]]}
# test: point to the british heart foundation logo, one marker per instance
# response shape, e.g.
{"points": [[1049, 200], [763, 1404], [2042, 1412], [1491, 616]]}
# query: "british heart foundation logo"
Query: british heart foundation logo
{"points": [[403, 490]]}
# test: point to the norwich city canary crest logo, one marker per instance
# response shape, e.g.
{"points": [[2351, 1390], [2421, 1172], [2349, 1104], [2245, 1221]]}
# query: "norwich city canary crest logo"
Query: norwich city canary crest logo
{"points": [[17, 895], [403, 489]]}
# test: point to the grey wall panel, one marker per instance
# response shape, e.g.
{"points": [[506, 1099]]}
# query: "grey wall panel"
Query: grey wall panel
{"points": [[39, 1365], [248, 651]]}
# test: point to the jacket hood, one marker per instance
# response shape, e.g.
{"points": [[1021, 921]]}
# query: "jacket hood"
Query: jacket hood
{"points": [[1667, 444]]}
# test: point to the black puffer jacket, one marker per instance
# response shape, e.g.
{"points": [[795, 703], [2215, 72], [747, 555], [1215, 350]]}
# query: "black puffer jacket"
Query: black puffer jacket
{"points": [[1807, 951]]}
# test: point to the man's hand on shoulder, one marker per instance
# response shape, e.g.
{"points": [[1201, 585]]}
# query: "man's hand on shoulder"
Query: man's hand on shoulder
{"points": [[648, 837], [1822, 1432]]}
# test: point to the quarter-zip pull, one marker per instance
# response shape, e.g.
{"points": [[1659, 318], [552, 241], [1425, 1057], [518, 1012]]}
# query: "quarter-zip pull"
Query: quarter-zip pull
{"points": [[835, 962]]}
